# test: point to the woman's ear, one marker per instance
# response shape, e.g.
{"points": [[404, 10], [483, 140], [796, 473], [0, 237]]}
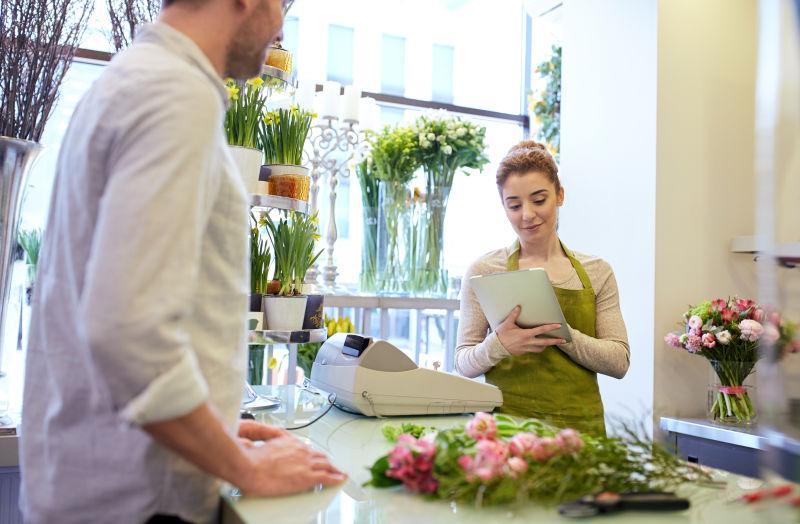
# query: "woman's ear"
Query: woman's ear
{"points": [[560, 196]]}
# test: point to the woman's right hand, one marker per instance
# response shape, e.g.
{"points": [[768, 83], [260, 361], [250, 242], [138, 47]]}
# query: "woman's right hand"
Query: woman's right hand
{"points": [[519, 341]]}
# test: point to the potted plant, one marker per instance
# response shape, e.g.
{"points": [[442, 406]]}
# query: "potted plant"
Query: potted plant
{"points": [[292, 237], [242, 122], [260, 259], [283, 134], [393, 158], [730, 335], [31, 242]]}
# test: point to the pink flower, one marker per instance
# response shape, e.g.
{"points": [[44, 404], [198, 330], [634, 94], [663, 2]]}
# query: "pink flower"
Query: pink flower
{"points": [[709, 340], [569, 440], [488, 463], [695, 322], [482, 426], [728, 315], [521, 444], [771, 334], [774, 318], [516, 466], [758, 315], [673, 340], [465, 461], [694, 343], [411, 461], [743, 304], [545, 449], [696, 332], [718, 305], [751, 330]]}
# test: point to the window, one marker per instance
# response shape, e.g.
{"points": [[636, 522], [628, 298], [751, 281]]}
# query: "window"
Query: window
{"points": [[393, 65], [340, 54], [442, 74], [291, 36], [391, 115]]}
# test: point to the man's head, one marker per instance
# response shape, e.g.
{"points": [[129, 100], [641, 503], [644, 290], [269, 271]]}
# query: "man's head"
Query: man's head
{"points": [[250, 26]]}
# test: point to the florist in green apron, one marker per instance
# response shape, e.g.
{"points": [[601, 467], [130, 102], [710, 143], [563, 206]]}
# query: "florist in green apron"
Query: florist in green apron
{"points": [[544, 378]]}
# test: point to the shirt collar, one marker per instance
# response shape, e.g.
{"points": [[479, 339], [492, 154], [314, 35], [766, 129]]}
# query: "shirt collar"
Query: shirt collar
{"points": [[163, 35]]}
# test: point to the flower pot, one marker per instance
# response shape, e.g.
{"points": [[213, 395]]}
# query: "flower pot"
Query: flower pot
{"points": [[255, 318], [285, 180], [730, 393], [314, 317], [284, 313], [248, 161]]}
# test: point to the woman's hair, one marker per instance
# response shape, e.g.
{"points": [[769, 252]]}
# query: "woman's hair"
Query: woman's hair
{"points": [[525, 157]]}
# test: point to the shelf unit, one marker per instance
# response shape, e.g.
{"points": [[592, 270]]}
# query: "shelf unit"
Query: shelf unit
{"points": [[267, 202], [787, 254]]}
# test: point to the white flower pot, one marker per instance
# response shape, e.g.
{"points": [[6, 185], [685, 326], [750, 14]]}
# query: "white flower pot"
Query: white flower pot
{"points": [[284, 313], [248, 161]]}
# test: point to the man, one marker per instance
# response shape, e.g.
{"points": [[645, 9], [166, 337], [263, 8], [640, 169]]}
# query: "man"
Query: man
{"points": [[137, 343]]}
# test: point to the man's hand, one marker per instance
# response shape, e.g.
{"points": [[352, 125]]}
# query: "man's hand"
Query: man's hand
{"points": [[252, 430], [519, 341], [285, 465]]}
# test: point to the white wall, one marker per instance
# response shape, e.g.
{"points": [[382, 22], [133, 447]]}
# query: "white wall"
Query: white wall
{"points": [[608, 168], [705, 176]]}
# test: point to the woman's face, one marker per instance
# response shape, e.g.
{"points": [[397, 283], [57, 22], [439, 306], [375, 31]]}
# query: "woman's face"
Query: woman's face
{"points": [[531, 203]]}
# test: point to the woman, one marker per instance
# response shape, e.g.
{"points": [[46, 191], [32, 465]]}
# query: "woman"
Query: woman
{"points": [[544, 378]]}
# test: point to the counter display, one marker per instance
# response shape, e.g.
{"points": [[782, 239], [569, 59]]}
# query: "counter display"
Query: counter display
{"points": [[354, 442]]}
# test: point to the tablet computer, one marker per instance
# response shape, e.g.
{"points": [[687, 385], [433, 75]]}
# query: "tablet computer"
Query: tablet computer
{"points": [[499, 293]]}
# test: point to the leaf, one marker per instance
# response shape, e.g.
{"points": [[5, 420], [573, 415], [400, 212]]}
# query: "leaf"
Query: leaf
{"points": [[378, 473]]}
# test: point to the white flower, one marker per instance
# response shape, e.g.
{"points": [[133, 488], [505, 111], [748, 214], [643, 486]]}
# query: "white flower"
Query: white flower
{"points": [[447, 150], [431, 137], [424, 144], [440, 139], [751, 330], [724, 337], [461, 132], [421, 137]]}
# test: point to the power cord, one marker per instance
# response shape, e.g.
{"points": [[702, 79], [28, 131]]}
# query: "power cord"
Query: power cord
{"points": [[331, 403]]}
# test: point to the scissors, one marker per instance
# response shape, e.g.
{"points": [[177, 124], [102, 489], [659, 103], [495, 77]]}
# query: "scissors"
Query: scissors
{"points": [[608, 502]]}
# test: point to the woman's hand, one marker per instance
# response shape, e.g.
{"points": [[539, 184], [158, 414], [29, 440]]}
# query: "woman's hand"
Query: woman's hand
{"points": [[519, 341], [252, 430]]}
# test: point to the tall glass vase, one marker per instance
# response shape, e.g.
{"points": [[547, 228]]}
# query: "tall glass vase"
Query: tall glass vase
{"points": [[393, 223], [16, 158], [730, 393], [368, 279]]}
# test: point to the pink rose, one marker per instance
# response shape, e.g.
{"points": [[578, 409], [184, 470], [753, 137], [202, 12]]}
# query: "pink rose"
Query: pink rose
{"points": [[488, 463], [758, 315], [709, 340], [482, 426], [751, 330], [695, 322], [673, 340], [545, 449], [465, 461], [521, 444], [411, 461], [728, 315], [569, 440], [516, 466], [694, 343], [774, 318]]}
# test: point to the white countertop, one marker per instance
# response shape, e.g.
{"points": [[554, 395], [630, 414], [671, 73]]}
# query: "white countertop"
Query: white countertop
{"points": [[354, 443]]}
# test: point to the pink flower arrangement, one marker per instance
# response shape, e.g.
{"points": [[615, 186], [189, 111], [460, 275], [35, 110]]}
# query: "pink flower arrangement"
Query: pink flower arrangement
{"points": [[411, 461], [751, 330]]}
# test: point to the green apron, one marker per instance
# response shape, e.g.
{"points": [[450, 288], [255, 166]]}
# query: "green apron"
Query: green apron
{"points": [[549, 385]]}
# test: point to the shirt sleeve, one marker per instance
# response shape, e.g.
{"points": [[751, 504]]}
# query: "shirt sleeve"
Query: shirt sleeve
{"points": [[142, 272], [607, 352], [476, 353]]}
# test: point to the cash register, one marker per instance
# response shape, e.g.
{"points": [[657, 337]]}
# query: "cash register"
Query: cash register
{"points": [[374, 378]]}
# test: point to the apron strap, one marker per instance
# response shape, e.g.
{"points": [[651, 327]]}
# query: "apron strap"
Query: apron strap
{"points": [[512, 264]]}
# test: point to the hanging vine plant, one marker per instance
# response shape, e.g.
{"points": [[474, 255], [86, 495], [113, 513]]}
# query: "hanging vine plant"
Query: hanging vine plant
{"points": [[547, 107]]}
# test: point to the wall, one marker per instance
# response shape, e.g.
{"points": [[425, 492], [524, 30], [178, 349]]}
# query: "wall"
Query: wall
{"points": [[705, 176], [608, 168]]}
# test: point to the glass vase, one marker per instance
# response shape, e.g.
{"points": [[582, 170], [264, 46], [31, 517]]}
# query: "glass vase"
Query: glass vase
{"points": [[428, 275], [255, 365], [368, 279], [730, 393], [393, 223]]}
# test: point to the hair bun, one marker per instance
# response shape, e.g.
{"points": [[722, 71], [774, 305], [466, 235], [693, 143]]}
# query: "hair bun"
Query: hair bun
{"points": [[530, 145]]}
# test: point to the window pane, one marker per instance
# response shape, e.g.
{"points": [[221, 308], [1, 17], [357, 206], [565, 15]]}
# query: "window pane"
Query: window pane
{"points": [[291, 27], [442, 83], [340, 54], [393, 65], [391, 115]]}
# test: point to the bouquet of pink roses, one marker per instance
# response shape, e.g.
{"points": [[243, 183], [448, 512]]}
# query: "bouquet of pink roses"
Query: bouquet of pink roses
{"points": [[496, 460], [730, 333]]}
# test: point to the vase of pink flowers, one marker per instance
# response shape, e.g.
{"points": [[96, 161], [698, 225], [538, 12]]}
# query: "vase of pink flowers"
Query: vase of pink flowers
{"points": [[732, 335]]}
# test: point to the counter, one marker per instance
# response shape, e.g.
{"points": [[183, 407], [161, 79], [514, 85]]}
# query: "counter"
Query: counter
{"points": [[354, 442]]}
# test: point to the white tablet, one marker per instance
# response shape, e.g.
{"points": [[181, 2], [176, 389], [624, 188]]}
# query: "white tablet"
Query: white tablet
{"points": [[499, 293]]}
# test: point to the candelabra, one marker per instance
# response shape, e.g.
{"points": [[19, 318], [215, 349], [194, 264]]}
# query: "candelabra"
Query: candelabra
{"points": [[329, 150]]}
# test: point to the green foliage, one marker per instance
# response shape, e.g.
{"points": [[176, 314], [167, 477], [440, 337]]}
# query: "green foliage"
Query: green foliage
{"points": [[244, 115], [393, 154], [260, 258], [283, 134], [31, 242], [292, 237], [391, 432], [548, 108]]}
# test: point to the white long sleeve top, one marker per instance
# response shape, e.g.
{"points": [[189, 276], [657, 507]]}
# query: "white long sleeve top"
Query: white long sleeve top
{"points": [[141, 298]]}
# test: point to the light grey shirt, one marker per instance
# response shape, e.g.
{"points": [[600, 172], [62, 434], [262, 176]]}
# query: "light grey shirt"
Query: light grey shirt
{"points": [[141, 297], [607, 352]]}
